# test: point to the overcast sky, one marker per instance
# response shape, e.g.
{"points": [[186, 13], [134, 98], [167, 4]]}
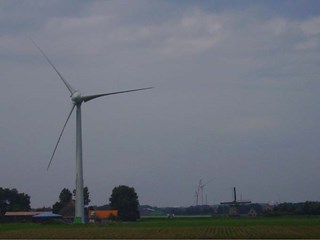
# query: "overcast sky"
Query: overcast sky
{"points": [[236, 99]]}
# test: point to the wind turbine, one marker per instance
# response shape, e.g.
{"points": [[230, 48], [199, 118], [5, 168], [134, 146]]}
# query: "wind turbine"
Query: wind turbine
{"points": [[77, 99], [200, 190], [201, 187]]}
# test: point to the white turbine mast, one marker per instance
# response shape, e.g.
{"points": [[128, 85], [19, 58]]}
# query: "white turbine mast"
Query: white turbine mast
{"points": [[202, 187], [200, 191], [77, 100]]}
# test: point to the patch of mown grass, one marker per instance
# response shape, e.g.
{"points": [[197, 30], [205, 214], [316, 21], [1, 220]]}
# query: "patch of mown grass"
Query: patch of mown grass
{"points": [[178, 228], [17, 226]]}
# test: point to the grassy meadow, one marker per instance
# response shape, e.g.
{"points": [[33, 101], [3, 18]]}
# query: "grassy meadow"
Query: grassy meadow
{"points": [[177, 228]]}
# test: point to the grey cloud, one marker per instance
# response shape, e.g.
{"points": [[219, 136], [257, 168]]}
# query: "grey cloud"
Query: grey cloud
{"points": [[235, 100]]}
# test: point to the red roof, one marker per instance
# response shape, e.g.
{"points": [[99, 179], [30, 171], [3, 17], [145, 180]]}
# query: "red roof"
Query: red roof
{"points": [[18, 214]]}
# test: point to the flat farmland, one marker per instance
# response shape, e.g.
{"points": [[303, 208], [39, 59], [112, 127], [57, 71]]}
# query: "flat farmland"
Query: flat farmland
{"points": [[177, 228]]}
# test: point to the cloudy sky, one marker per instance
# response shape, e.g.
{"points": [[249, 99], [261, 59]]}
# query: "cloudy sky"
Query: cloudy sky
{"points": [[236, 98]]}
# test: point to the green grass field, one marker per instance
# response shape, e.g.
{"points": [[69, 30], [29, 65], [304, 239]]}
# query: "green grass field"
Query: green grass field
{"points": [[178, 228]]}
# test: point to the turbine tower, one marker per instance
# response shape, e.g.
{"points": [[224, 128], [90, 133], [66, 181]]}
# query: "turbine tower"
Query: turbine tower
{"points": [[77, 99], [200, 191], [201, 186]]}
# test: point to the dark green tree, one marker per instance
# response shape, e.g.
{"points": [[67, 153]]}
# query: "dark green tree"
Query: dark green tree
{"points": [[86, 195], [12, 200], [57, 207], [311, 208], [65, 197], [125, 200]]}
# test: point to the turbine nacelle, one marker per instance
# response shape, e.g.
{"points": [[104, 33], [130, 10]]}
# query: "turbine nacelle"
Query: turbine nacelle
{"points": [[77, 98]]}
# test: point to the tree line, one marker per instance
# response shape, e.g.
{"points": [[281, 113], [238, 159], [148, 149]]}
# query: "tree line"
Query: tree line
{"points": [[303, 208], [65, 197], [12, 200], [123, 198]]}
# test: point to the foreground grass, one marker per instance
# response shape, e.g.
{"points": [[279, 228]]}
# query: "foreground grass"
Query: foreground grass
{"points": [[178, 228]]}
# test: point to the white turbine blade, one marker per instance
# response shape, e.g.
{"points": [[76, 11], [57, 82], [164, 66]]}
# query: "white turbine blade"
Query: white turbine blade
{"points": [[64, 126], [71, 89], [90, 97]]}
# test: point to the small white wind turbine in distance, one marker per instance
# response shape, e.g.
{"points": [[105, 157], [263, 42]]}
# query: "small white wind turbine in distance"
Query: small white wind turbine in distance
{"points": [[77, 100]]}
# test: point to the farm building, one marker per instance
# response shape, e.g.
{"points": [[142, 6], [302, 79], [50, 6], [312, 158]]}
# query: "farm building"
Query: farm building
{"points": [[19, 216], [68, 211], [30, 216], [46, 217], [250, 210], [102, 215]]}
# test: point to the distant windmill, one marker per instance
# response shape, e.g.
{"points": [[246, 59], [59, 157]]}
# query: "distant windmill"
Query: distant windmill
{"points": [[234, 205], [196, 198], [235, 199], [77, 100], [199, 191]]}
